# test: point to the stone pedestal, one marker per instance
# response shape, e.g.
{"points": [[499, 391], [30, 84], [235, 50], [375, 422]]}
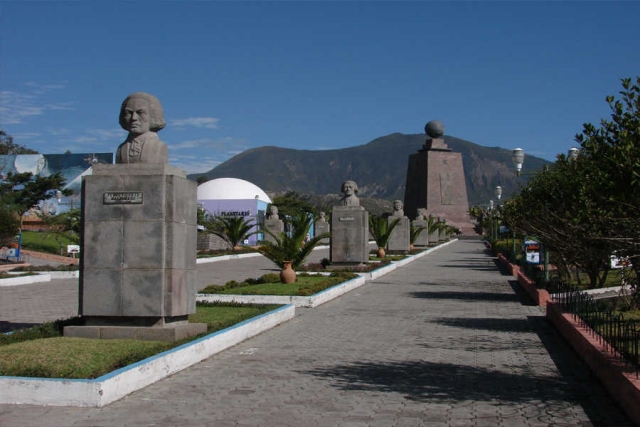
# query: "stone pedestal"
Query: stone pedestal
{"points": [[275, 226], [349, 235], [321, 228], [423, 237], [400, 239], [138, 259]]}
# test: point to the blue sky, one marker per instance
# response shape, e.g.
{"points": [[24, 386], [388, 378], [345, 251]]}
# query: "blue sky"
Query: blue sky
{"points": [[311, 75]]}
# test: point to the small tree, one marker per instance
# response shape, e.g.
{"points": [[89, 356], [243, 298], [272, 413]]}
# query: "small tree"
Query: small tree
{"points": [[232, 230], [66, 225], [9, 225], [381, 229], [22, 191], [292, 247]]}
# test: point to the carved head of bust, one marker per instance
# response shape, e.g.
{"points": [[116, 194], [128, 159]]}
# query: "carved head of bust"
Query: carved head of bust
{"points": [[273, 212], [141, 113], [398, 208], [349, 194]]}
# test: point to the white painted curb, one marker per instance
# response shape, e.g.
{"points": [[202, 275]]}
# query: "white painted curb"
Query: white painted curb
{"points": [[25, 280], [64, 274], [115, 385], [207, 260], [310, 301], [321, 297]]}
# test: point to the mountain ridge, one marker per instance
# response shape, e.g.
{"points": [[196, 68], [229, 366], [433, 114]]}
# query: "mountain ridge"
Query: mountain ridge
{"points": [[379, 167]]}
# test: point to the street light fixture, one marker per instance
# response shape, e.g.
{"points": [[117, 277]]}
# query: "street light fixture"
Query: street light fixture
{"points": [[518, 159], [573, 153], [498, 192]]}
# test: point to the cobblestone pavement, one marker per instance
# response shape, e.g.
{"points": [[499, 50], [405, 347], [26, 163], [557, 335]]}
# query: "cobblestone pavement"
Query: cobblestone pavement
{"points": [[445, 341], [26, 305]]}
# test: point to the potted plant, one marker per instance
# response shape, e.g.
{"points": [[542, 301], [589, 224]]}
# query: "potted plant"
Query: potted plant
{"points": [[414, 232], [380, 228], [290, 250]]}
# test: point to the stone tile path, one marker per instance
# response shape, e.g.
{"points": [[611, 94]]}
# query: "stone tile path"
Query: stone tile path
{"points": [[444, 341]]}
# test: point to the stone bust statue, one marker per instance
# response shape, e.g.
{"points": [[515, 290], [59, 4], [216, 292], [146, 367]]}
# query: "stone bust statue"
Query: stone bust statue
{"points": [[142, 116], [420, 214], [349, 194], [322, 217], [273, 212], [398, 208]]}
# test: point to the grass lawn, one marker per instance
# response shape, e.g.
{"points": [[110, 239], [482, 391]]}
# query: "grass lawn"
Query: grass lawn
{"points": [[269, 284], [45, 242], [43, 352]]}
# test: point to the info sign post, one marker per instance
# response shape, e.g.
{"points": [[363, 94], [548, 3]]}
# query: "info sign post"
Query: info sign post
{"points": [[14, 247], [531, 250]]}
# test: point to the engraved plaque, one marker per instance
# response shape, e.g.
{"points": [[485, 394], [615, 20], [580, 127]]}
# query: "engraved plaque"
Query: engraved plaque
{"points": [[122, 198], [447, 190]]}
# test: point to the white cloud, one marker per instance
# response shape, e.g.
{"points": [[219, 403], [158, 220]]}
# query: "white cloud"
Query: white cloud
{"points": [[193, 165], [26, 135], [84, 139], [200, 122], [220, 144], [15, 107]]}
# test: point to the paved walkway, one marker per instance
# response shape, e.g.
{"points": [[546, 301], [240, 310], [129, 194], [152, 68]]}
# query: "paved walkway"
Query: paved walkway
{"points": [[443, 341]]}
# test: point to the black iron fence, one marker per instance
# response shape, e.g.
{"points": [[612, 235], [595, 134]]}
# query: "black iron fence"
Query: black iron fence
{"points": [[618, 335]]}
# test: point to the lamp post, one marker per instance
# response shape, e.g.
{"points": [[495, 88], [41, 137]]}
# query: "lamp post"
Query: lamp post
{"points": [[498, 193]]}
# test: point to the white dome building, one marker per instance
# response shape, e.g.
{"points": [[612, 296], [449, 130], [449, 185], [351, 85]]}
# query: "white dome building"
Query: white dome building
{"points": [[234, 197]]}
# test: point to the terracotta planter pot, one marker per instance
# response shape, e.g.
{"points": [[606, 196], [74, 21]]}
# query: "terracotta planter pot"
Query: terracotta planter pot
{"points": [[381, 253], [287, 275]]}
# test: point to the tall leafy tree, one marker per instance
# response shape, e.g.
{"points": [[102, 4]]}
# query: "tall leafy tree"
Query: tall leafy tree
{"points": [[22, 191], [7, 146], [293, 204], [557, 208], [613, 153]]}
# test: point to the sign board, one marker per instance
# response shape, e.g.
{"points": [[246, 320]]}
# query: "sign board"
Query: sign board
{"points": [[122, 198], [15, 246], [617, 262], [73, 249], [531, 251]]}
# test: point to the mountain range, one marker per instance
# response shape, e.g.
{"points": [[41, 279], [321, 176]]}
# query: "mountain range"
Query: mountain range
{"points": [[378, 167]]}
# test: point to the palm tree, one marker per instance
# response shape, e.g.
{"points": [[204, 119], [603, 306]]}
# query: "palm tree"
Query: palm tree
{"points": [[292, 247], [433, 225], [414, 232], [380, 228], [232, 230]]}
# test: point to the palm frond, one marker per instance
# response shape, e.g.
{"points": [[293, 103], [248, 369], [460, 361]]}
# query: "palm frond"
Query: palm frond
{"points": [[291, 247], [381, 229]]}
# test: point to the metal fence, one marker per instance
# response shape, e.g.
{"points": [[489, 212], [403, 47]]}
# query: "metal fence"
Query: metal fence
{"points": [[619, 336]]}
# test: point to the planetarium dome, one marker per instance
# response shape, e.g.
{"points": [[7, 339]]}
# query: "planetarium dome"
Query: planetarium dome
{"points": [[231, 189]]}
